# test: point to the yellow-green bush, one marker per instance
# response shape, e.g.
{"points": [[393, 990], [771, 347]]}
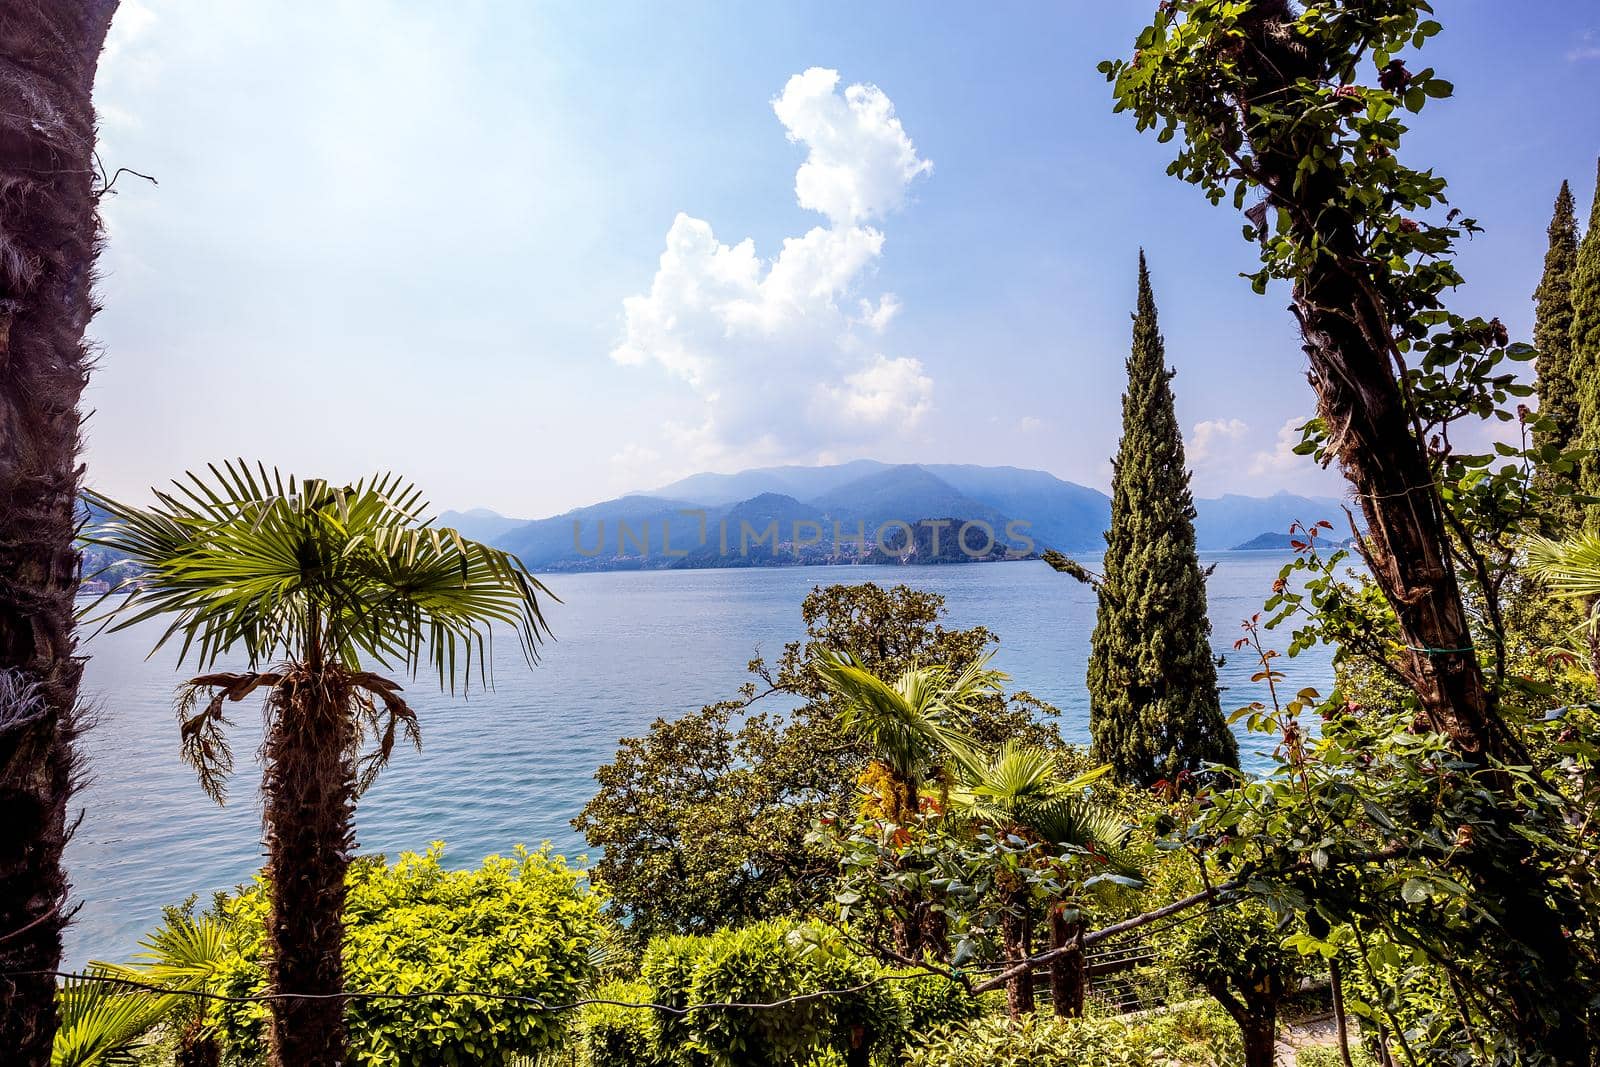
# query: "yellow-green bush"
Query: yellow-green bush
{"points": [[1186, 1036], [617, 1036], [521, 925]]}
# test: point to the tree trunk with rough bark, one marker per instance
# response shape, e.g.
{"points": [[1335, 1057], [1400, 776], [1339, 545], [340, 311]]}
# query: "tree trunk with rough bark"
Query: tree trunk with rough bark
{"points": [[1016, 931], [1349, 344], [1256, 1016], [49, 232], [1260, 1040], [1068, 977], [309, 789]]}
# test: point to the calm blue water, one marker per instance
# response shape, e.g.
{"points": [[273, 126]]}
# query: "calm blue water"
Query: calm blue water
{"points": [[514, 764]]}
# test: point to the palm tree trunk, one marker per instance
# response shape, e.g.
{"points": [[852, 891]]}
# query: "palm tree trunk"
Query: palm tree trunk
{"points": [[903, 803], [48, 233], [1068, 982], [309, 787], [1016, 931], [196, 1048]]}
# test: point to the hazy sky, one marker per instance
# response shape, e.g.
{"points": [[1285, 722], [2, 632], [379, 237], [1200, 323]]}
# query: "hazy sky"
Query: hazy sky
{"points": [[536, 254]]}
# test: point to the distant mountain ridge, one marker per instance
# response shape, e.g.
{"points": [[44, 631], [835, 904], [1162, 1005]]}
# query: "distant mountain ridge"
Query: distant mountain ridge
{"points": [[854, 512]]}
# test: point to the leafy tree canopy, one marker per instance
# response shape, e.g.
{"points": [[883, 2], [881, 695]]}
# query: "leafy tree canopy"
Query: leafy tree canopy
{"points": [[704, 819]]}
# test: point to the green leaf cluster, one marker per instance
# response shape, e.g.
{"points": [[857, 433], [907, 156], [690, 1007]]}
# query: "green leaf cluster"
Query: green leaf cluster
{"points": [[523, 925], [762, 964], [703, 822], [310, 571], [1190, 1035]]}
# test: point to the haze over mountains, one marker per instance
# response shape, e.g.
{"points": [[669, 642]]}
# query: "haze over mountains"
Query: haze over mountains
{"points": [[788, 515]]}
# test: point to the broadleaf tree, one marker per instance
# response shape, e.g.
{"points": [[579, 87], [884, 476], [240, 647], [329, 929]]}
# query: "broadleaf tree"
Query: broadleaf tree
{"points": [[1301, 108]]}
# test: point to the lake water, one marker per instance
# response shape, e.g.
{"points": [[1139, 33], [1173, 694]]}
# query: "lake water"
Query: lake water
{"points": [[514, 765]]}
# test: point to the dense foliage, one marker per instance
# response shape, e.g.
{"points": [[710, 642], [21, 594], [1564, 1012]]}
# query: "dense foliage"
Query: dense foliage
{"points": [[1153, 706], [766, 962], [704, 821], [1187, 1036], [522, 925], [1236, 953], [1431, 833]]}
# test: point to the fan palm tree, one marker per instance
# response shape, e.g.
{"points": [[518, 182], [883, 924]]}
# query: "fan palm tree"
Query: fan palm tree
{"points": [[310, 584], [1571, 568], [910, 727], [106, 1015], [1018, 792], [49, 234]]}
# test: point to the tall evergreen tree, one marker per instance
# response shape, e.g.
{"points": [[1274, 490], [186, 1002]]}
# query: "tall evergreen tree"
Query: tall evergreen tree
{"points": [[1153, 706], [1585, 341], [1552, 336]]}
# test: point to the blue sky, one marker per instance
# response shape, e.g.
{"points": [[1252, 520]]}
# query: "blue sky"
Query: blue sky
{"points": [[405, 236]]}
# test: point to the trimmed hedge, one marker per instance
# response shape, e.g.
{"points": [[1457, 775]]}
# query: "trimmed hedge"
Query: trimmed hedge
{"points": [[765, 963]]}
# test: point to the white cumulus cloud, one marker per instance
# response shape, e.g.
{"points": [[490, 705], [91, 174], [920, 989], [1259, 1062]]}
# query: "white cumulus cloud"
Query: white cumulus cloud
{"points": [[782, 352], [1281, 460], [1213, 435], [860, 160]]}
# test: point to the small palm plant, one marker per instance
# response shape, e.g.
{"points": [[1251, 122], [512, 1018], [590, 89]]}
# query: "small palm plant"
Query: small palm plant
{"points": [[107, 1015], [311, 584], [910, 725], [1571, 568], [1019, 795]]}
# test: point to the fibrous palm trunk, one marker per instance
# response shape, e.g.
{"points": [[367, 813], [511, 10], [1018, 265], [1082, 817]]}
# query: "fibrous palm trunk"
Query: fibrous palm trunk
{"points": [[1068, 980], [48, 237], [1016, 931], [309, 788]]}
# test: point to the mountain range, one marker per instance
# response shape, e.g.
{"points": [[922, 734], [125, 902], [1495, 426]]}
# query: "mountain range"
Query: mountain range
{"points": [[862, 511]]}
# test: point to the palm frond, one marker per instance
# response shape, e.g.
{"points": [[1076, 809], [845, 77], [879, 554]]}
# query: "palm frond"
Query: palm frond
{"points": [[1019, 786], [183, 953], [1571, 568], [102, 1023], [915, 721], [104, 1017], [249, 561]]}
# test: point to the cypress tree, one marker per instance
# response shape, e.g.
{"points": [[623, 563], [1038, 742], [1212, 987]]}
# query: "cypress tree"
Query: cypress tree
{"points": [[1153, 705], [1585, 350], [1552, 336]]}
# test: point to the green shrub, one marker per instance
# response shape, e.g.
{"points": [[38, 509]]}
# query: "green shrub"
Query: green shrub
{"points": [[1328, 1056], [1187, 1036], [522, 925], [667, 970], [616, 1036], [763, 964], [929, 1001]]}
